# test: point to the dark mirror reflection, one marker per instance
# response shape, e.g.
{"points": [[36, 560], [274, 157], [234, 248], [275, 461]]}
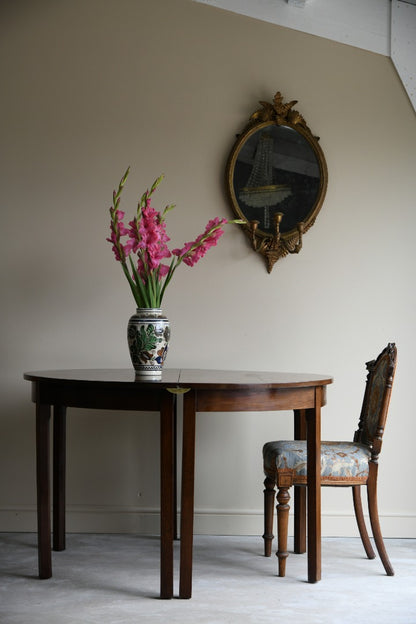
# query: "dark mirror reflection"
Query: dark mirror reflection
{"points": [[276, 170]]}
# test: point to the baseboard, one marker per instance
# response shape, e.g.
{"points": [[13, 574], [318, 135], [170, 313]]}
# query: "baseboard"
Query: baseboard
{"points": [[215, 522], [112, 519]]}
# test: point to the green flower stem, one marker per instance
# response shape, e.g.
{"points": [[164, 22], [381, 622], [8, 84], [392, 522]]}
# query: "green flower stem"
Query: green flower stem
{"points": [[132, 285], [137, 286], [168, 277]]}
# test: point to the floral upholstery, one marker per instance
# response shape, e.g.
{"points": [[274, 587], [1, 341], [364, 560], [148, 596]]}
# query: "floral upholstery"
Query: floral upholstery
{"points": [[342, 462]]}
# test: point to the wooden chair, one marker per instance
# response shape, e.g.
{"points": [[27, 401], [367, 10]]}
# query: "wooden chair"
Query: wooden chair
{"points": [[342, 464]]}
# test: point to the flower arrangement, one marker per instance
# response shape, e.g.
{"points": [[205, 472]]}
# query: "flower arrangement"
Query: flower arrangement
{"points": [[147, 274]]}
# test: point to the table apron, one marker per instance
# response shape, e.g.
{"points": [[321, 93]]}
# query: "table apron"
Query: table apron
{"points": [[251, 399], [90, 397]]}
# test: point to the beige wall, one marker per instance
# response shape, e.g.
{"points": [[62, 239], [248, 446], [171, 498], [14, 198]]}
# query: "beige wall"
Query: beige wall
{"points": [[91, 86]]}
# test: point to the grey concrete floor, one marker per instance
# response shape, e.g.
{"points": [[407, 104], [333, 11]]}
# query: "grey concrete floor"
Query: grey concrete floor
{"points": [[114, 579]]}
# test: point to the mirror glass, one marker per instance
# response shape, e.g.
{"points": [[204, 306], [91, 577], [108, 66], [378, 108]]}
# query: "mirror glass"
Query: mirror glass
{"points": [[276, 170]]}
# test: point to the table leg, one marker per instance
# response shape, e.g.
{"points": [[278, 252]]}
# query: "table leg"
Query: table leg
{"points": [[43, 413], [187, 502], [175, 469], [59, 485], [166, 495], [313, 417], [300, 492]]}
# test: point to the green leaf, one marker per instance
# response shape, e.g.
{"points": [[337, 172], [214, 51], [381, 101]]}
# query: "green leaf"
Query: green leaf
{"points": [[146, 338]]}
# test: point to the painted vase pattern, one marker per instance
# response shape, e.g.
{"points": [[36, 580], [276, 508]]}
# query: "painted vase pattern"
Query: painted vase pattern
{"points": [[148, 334]]}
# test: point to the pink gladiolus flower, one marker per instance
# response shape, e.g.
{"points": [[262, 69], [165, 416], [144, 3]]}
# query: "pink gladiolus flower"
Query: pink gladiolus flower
{"points": [[192, 252], [146, 236], [118, 229], [163, 270], [149, 234], [119, 219]]}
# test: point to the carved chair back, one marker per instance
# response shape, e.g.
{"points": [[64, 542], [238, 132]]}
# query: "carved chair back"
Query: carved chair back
{"points": [[376, 400]]}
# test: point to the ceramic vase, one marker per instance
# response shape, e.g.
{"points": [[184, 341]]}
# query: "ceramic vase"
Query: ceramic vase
{"points": [[148, 334]]}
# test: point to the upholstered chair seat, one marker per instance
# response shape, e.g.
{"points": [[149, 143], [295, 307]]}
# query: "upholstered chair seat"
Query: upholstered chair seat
{"points": [[340, 461], [343, 464]]}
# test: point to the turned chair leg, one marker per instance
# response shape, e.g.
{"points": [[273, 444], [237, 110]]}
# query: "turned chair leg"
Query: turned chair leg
{"points": [[269, 494], [359, 516], [284, 482], [374, 519]]}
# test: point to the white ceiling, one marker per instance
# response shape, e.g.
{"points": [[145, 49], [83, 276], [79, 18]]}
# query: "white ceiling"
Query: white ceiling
{"points": [[386, 27], [361, 23]]}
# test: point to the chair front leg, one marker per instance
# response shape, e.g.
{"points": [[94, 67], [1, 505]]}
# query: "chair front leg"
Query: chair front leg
{"points": [[269, 494], [284, 482]]}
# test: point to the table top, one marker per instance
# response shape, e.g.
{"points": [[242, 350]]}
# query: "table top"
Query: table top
{"points": [[191, 378]]}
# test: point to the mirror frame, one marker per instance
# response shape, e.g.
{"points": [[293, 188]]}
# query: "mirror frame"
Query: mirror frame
{"points": [[277, 244]]}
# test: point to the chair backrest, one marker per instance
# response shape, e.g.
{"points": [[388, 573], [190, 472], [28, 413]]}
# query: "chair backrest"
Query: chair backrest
{"points": [[376, 400]]}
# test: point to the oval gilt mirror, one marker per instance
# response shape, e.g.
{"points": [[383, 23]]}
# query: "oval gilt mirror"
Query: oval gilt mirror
{"points": [[276, 179]]}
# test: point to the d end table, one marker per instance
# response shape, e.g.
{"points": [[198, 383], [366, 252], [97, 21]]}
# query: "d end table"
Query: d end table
{"points": [[204, 391]]}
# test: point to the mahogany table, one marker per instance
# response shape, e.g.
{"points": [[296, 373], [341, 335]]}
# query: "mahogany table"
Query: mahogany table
{"points": [[204, 391]]}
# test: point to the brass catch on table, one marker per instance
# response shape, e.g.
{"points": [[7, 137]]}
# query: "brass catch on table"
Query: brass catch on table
{"points": [[178, 390]]}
